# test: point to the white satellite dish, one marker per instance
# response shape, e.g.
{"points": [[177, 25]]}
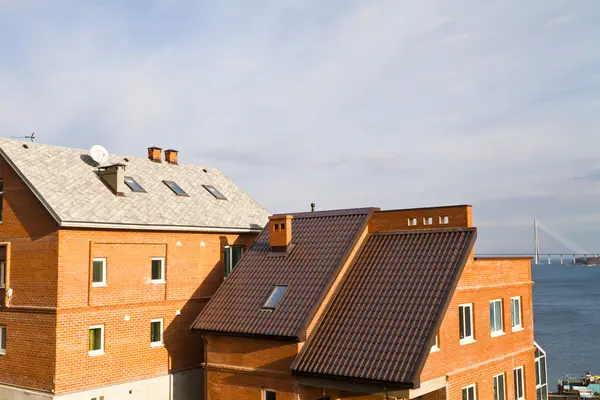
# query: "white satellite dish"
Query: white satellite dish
{"points": [[99, 154]]}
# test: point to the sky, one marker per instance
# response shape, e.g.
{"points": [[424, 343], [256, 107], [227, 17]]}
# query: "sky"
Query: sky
{"points": [[391, 104]]}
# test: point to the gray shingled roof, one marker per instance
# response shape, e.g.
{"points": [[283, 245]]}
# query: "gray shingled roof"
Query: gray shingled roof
{"points": [[67, 184]]}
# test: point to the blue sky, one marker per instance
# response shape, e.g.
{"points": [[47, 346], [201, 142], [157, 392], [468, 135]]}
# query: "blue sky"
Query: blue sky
{"points": [[343, 103]]}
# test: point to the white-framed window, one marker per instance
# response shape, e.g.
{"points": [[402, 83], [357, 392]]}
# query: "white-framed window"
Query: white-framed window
{"points": [[231, 257], [499, 387], [412, 221], [99, 272], [1, 198], [156, 332], [444, 220], [515, 312], [96, 341], [2, 274], [519, 383], [436, 345], [465, 320], [269, 394], [469, 392], [496, 327], [427, 220], [541, 377], [158, 270], [2, 340]]}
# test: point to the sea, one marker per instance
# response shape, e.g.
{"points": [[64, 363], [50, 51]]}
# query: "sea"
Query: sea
{"points": [[566, 306]]}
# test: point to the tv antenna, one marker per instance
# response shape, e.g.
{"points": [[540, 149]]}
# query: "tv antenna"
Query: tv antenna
{"points": [[99, 154], [30, 137]]}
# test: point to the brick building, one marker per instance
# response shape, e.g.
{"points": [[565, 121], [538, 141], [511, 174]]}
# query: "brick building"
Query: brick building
{"points": [[104, 267], [366, 304]]}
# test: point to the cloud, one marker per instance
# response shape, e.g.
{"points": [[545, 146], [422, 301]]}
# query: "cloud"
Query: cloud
{"points": [[344, 103], [560, 20]]}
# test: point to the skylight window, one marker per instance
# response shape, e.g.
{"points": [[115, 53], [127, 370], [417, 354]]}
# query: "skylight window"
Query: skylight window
{"points": [[133, 185], [275, 297], [215, 192], [176, 189]]}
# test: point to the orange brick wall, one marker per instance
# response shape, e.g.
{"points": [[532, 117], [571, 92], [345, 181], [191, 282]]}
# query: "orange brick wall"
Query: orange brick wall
{"points": [[392, 220], [482, 281]]}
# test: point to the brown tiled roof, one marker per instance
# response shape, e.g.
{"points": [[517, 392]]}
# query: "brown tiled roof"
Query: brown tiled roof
{"points": [[382, 321], [322, 241]]}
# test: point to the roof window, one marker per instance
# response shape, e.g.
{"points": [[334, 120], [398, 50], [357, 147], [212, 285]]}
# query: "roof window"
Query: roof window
{"points": [[215, 192], [133, 185], [274, 297], [176, 189]]}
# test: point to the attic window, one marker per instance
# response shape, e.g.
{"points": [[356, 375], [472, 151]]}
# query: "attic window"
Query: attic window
{"points": [[176, 189], [133, 185], [412, 222], [444, 220], [427, 220], [214, 192], [274, 297]]}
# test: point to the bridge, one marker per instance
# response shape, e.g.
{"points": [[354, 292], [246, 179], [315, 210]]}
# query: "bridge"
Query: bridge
{"points": [[576, 256]]}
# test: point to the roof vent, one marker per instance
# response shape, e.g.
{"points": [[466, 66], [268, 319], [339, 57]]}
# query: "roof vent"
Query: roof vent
{"points": [[154, 154], [280, 233], [171, 156], [113, 176]]}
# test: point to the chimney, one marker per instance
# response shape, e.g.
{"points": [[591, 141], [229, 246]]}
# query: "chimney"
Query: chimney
{"points": [[154, 154], [113, 176], [171, 156], [280, 232]]}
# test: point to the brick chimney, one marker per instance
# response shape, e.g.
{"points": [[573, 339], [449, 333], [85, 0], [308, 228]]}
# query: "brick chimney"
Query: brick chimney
{"points": [[280, 232], [113, 176], [171, 156], [154, 154]]}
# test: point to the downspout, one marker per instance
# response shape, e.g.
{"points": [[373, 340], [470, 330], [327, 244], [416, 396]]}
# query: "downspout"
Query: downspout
{"points": [[205, 366]]}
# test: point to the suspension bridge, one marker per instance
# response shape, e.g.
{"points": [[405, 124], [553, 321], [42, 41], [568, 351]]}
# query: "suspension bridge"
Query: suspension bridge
{"points": [[575, 256]]}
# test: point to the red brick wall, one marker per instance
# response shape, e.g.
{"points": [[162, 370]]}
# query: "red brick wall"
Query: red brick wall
{"points": [[392, 220]]}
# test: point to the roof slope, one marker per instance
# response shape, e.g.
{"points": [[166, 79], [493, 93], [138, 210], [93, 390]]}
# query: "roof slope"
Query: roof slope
{"points": [[321, 240], [67, 184], [381, 323]]}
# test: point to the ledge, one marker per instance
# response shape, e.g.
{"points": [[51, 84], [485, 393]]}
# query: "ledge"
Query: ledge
{"points": [[467, 341]]}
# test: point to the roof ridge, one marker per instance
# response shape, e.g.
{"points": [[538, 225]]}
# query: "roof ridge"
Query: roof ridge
{"points": [[331, 213], [417, 231]]}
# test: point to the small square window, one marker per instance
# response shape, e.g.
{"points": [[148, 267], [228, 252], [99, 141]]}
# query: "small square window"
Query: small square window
{"points": [[269, 395], [158, 270], [444, 220], [412, 222], [96, 342], [275, 297], [2, 340], [133, 185], [156, 332], [176, 188], [215, 192], [427, 220], [99, 272], [469, 393]]}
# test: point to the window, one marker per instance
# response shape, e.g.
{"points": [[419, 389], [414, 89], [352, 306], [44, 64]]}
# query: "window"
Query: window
{"points": [[465, 320], [232, 255], [96, 345], [156, 332], [274, 297], [269, 395], [518, 379], [541, 378], [499, 390], [2, 274], [444, 220], [496, 318], [99, 272], [215, 192], [2, 340], [515, 310], [176, 189], [412, 222], [427, 220], [469, 393], [133, 185], [158, 270], [1, 198], [436, 345]]}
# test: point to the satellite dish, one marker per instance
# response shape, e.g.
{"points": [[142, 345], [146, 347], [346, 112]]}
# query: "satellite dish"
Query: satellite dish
{"points": [[99, 154]]}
